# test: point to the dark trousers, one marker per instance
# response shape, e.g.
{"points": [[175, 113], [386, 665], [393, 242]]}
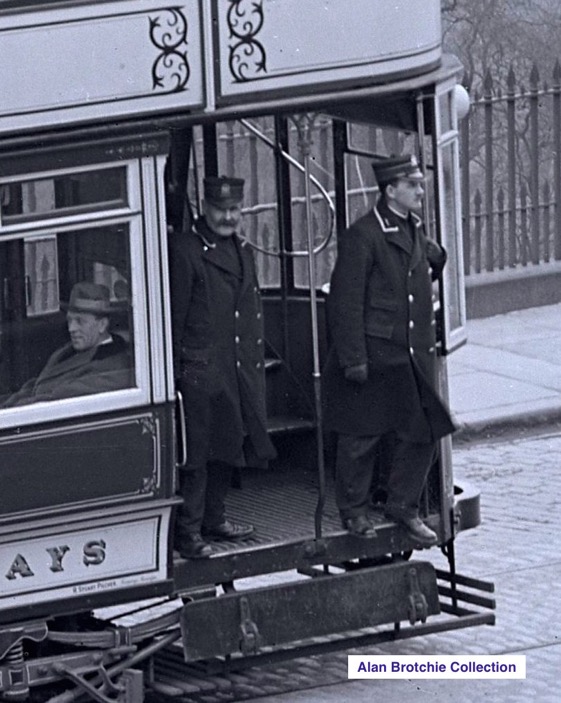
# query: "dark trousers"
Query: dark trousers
{"points": [[204, 493], [409, 464]]}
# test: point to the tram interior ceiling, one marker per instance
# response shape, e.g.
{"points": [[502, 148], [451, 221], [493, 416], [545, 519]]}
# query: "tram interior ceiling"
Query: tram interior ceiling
{"points": [[92, 432]]}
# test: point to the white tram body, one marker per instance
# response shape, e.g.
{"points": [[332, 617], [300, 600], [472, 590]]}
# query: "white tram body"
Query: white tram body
{"points": [[100, 102]]}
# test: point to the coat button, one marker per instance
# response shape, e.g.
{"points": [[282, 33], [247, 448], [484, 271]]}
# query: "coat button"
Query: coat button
{"points": [[259, 341], [411, 297], [431, 349], [237, 314], [238, 364], [237, 340], [258, 365], [411, 351], [258, 315], [411, 324]]}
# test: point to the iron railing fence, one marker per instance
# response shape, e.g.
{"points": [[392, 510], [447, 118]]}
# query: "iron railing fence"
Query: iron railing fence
{"points": [[511, 174]]}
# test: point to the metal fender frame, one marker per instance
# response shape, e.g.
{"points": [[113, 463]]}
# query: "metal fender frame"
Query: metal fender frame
{"points": [[326, 604]]}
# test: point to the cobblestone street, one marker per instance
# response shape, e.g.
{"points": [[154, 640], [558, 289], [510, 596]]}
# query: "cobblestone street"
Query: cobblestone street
{"points": [[516, 546]]}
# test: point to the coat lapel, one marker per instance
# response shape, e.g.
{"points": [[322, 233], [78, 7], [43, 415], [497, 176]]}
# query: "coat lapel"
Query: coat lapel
{"points": [[65, 362], [417, 252], [214, 254], [246, 258], [394, 230]]}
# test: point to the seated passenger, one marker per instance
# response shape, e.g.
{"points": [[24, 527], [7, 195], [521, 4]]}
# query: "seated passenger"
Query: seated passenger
{"points": [[93, 361]]}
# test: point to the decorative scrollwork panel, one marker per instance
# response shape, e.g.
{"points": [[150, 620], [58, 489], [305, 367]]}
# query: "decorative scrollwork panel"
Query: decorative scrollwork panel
{"points": [[168, 33], [247, 54]]}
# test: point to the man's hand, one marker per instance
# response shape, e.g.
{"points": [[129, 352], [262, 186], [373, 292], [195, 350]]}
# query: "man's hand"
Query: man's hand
{"points": [[357, 374], [435, 253]]}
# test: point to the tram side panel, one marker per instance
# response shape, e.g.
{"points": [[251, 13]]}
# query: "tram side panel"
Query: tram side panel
{"points": [[87, 454]]}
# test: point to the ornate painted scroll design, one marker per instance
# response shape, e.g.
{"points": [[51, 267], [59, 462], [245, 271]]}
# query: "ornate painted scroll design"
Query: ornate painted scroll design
{"points": [[168, 33], [151, 427], [247, 54]]}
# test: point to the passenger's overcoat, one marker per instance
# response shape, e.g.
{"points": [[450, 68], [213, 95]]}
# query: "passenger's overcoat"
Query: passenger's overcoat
{"points": [[68, 374], [380, 312], [218, 350]]}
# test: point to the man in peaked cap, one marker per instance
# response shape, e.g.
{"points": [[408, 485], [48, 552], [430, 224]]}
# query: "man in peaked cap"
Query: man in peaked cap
{"points": [[93, 361], [219, 365], [380, 376]]}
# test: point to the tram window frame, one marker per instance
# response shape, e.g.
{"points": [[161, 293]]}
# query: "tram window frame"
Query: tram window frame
{"points": [[130, 218], [446, 141], [63, 179]]}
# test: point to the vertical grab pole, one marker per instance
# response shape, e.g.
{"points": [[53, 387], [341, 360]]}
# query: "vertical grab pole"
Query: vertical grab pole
{"points": [[305, 124]]}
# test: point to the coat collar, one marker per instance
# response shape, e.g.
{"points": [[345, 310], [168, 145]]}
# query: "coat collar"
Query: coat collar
{"points": [[398, 230], [212, 253]]}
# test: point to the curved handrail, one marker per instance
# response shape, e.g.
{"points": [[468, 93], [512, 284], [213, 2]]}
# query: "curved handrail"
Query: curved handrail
{"points": [[323, 192]]}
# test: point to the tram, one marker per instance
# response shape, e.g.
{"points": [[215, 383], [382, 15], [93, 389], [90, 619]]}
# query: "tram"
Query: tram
{"points": [[112, 112]]}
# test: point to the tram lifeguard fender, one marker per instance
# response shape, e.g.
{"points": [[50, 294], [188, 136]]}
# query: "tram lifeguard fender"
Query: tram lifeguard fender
{"points": [[321, 606]]}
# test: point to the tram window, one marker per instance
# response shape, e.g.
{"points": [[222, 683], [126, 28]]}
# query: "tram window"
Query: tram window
{"points": [[362, 190], [455, 309], [321, 169], [445, 112], [70, 193], [49, 349], [249, 155]]}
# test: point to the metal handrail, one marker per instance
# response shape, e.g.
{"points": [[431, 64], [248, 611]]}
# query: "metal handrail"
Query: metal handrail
{"points": [[312, 179], [182, 460]]}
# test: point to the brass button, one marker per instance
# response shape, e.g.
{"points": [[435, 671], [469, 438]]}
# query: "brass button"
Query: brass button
{"points": [[238, 364], [411, 324], [411, 297], [237, 313], [237, 340], [411, 351]]}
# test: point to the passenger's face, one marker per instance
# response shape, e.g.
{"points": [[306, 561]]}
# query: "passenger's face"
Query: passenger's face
{"points": [[223, 221], [86, 330], [406, 195]]}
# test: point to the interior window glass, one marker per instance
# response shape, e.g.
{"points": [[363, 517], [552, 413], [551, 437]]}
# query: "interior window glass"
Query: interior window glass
{"points": [[65, 315], [63, 194], [322, 189], [453, 270]]}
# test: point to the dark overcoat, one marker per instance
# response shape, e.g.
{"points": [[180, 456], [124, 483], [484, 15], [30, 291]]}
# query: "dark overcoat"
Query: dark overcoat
{"points": [[218, 339], [380, 313], [68, 374]]}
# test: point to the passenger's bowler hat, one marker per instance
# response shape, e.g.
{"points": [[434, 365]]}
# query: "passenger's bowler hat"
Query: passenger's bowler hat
{"points": [[223, 191], [89, 297], [394, 167]]}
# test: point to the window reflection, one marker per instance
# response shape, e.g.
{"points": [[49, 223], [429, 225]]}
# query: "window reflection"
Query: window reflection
{"points": [[66, 315], [453, 275], [63, 194]]}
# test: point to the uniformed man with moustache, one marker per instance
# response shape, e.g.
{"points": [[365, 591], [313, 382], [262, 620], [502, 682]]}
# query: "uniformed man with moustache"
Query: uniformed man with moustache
{"points": [[380, 376], [219, 365]]}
